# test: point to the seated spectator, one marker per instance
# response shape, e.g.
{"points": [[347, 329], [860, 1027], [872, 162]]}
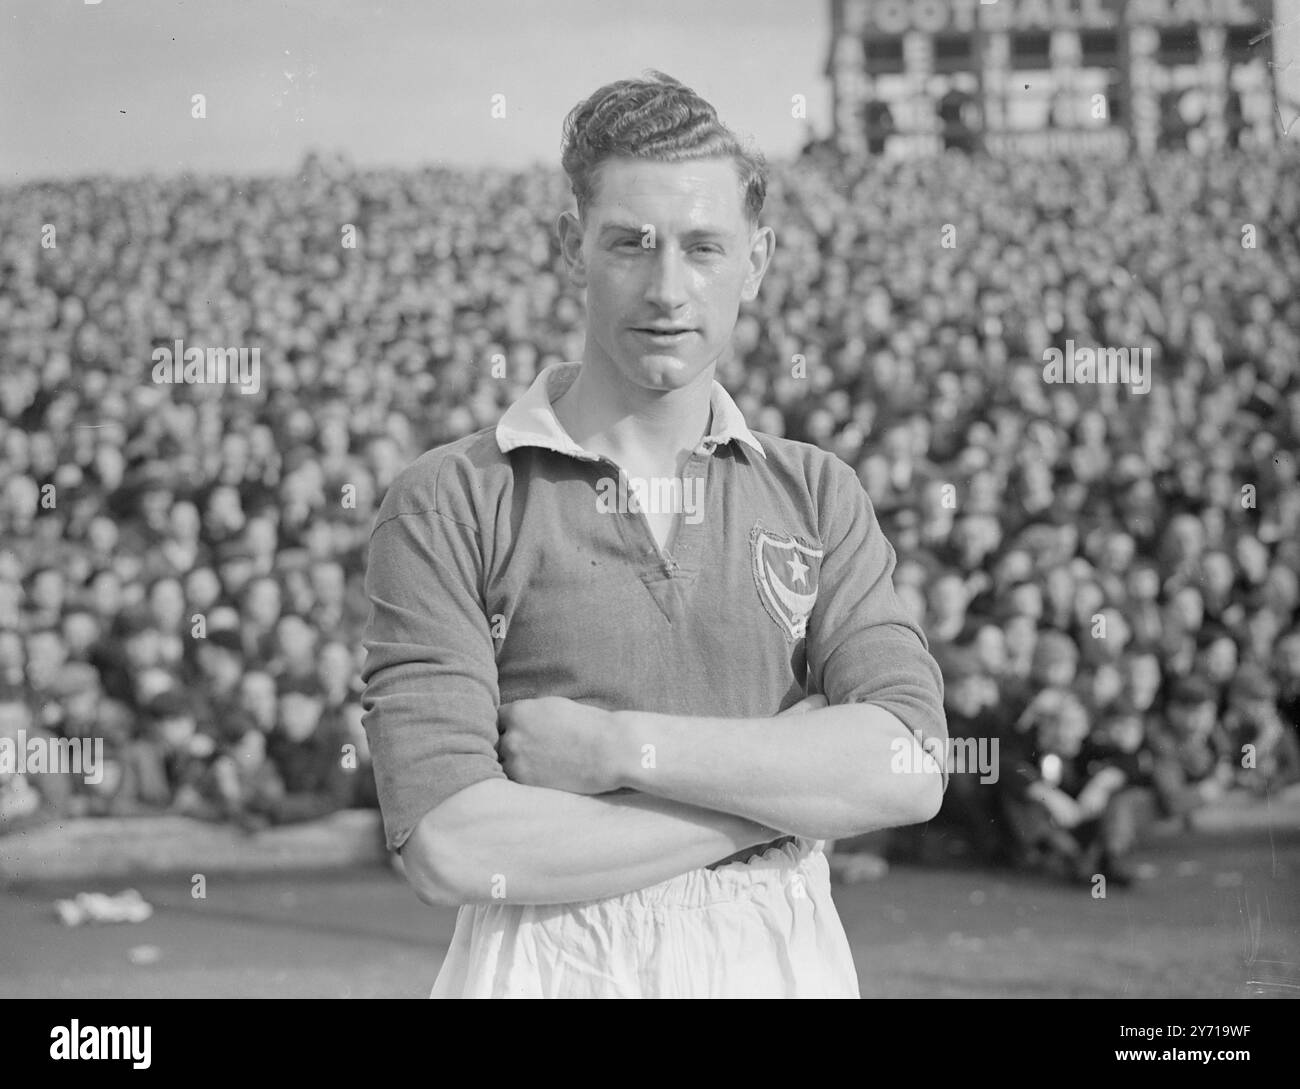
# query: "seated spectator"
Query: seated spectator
{"points": [[1062, 803], [307, 751], [1266, 753], [1193, 762]]}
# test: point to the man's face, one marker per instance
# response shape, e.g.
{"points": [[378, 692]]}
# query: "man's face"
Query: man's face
{"points": [[299, 715], [666, 255], [1143, 680], [257, 697], [991, 647], [1065, 732]]}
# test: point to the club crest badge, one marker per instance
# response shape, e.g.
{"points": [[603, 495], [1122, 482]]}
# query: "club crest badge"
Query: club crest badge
{"points": [[786, 573]]}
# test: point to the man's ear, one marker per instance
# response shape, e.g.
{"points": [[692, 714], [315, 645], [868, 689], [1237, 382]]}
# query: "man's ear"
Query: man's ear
{"points": [[570, 229], [762, 245]]}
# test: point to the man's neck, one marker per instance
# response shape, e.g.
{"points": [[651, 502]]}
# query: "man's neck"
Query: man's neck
{"points": [[633, 427]]}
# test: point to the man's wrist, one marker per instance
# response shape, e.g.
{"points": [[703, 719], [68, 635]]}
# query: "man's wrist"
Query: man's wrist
{"points": [[630, 753]]}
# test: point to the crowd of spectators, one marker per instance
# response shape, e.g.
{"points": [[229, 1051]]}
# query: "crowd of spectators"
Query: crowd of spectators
{"points": [[1109, 578]]}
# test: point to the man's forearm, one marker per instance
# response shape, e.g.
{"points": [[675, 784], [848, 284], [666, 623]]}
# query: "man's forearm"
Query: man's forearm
{"points": [[502, 841], [835, 772]]}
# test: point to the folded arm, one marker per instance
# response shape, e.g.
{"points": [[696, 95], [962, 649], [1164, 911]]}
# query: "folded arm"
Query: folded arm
{"points": [[840, 771], [503, 841]]}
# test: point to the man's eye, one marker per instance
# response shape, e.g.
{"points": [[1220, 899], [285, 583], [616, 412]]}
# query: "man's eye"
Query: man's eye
{"points": [[629, 244], [707, 248]]}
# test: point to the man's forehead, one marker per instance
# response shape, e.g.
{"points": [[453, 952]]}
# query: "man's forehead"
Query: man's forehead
{"points": [[699, 189]]}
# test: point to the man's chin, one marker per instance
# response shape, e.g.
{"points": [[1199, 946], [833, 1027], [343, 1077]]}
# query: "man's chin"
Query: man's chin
{"points": [[665, 370]]}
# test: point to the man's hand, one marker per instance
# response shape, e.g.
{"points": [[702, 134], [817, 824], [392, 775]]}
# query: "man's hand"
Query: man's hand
{"points": [[1095, 796], [808, 703], [566, 745], [1063, 809], [558, 743]]}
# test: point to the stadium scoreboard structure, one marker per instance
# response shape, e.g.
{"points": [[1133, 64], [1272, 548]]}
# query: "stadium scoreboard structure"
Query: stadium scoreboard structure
{"points": [[1047, 76]]}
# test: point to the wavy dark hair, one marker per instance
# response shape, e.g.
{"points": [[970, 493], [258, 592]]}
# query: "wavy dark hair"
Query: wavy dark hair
{"points": [[659, 118]]}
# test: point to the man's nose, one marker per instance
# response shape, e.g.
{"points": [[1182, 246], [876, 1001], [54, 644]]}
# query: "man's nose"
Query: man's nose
{"points": [[667, 286]]}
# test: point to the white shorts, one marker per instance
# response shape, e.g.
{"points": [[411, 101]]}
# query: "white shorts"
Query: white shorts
{"points": [[764, 928]]}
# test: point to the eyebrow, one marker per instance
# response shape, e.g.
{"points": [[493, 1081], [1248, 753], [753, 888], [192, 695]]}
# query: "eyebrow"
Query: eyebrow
{"points": [[695, 234]]}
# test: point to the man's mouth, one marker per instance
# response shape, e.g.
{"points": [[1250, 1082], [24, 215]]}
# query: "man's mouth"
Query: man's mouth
{"points": [[666, 334]]}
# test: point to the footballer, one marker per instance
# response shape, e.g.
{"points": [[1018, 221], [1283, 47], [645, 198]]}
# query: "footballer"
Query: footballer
{"points": [[580, 713]]}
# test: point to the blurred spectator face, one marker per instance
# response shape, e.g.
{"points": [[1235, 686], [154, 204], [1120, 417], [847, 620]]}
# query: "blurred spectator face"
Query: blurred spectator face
{"points": [[1107, 685], [937, 519], [1193, 721], [110, 467], [984, 494], [234, 457], [1142, 680], [873, 471], [13, 657], [176, 731], [235, 571], [335, 668], [1217, 575], [46, 656], [250, 751], [101, 534], [327, 583], [1027, 600], [15, 716], [1015, 566], [298, 589], [1143, 584], [83, 703], [991, 648], [1117, 637], [1252, 558], [910, 573], [11, 596], [1060, 589], [1286, 657], [257, 697], [971, 694], [1021, 640], [80, 632], [1125, 732], [948, 598], [1056, 660], [1186, 609], [1088, 599], [1282, 589], [143, 649], [225, 514], [47, 590], [21, 498], [1262, 628], [1219, 660], [1185, 537], [295, 639], [977, 537], [1117, 553], [167, 604], [262, 603], [202, 589], [184, 521], [155, 506], [1064, 731], [299, 715], [333, 437], [106, 594], [220, 665], [261, 537]]}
